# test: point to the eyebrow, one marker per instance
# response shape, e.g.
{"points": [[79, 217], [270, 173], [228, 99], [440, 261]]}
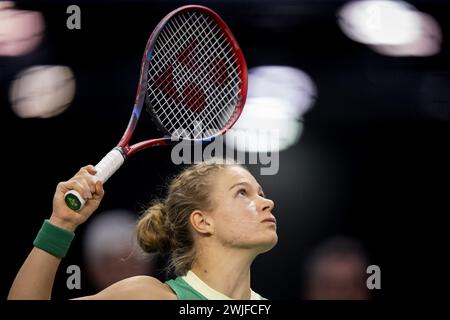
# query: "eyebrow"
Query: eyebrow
{"points": [[246, 184]]}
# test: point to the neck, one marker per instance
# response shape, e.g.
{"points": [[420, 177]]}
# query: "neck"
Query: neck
{"points": [[226, 270]]}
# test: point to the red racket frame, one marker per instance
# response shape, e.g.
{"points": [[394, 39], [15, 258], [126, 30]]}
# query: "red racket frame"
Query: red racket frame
{"points": [[123, 144]]}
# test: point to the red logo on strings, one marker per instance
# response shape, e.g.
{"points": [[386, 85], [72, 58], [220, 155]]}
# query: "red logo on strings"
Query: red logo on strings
{"points": [[191, 95]]}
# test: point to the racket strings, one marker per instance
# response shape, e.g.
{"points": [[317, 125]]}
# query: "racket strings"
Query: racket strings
{"points": [[212, 92], [203, 71], [207, 89], [176, 44], [174, 51], [194, 79]]}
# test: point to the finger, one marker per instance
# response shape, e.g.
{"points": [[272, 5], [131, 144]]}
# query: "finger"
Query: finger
{"points": [[81, 188], [85, 175], [88, 180], [99, 191], [89, 169], [93, 204]]}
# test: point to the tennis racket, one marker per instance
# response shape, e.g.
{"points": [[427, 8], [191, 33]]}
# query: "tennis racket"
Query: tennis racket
{"points": [[193, 82]]}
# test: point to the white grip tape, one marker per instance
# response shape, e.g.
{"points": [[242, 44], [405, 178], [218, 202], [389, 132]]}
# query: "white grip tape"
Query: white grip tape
{"points": [[105, 169], [109, 164]]}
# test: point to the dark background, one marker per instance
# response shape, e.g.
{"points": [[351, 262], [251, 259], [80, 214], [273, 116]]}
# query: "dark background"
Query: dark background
{"points": [[372, 162]]}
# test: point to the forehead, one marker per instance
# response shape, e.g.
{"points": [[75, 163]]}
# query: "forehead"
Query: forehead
{"points": [[235, 174]]}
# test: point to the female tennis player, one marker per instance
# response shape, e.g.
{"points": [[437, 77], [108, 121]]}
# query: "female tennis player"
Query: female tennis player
{"points": [[214, 221]]}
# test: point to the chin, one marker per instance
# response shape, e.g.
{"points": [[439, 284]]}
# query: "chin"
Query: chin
{"points": [[269, 243]]}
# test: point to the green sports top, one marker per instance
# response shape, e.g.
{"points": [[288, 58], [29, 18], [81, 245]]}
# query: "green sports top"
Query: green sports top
{"points": [[191, 287]]}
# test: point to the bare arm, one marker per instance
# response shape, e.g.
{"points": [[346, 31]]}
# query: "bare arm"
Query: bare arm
{"points": [[26, 286], [37, 274]]}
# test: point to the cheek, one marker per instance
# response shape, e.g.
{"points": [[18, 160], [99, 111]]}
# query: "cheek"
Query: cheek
{"points": [[243, 223], [243, 214], [251, 206], [239, 236]]}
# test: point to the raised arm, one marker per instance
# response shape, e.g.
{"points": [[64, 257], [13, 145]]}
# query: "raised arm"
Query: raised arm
{"points": [[37, 274]]}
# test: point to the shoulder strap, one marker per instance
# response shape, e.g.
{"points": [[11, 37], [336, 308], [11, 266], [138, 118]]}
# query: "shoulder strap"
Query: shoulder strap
{"points": [[183, 290]]}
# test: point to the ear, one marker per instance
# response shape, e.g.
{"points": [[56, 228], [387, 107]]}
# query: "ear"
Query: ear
{"points": [[202, 222]]}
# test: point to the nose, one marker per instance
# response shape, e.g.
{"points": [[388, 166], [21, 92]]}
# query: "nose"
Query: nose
{"points": [[267, 205]]}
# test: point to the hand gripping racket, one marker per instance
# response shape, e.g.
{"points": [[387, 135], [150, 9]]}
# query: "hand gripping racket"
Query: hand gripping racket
{"points": [[193, 81]]}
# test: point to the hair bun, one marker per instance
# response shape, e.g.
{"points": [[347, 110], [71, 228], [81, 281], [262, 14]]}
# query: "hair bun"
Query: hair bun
{"points": [[152, 229]]}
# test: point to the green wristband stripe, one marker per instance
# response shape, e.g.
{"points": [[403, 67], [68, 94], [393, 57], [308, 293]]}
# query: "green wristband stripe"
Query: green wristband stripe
{"points": [[53, 239]]}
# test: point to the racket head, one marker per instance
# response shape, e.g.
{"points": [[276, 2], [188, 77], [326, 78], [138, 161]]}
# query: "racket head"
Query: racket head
{"points": [[193, 75]]}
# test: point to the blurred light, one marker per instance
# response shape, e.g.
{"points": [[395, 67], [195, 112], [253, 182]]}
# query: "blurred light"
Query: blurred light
{"points": [[380, 22], [111, 250], [262, 121], [20, 31], [292, 85], [6, 4], [110, 232], [278, 97], [427, 44], [42, 91]]}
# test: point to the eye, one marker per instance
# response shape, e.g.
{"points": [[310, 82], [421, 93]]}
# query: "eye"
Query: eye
{"points": [[242, 192]]}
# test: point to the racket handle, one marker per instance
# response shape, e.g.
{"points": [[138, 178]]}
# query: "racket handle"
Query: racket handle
{"points": [[105, 169]]}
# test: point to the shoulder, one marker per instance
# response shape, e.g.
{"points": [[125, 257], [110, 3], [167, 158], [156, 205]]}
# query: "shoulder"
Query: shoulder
{"points": [[136, 288]]}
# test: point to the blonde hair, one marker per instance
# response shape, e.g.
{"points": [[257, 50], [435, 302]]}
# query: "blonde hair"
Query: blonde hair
{"points": [[165, 228]]}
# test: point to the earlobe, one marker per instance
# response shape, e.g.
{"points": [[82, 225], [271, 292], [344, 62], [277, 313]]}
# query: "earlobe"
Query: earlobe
{"points": [[202, 222]]}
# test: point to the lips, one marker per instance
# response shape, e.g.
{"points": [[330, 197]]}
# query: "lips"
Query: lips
{"points": [[270, 219]]}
